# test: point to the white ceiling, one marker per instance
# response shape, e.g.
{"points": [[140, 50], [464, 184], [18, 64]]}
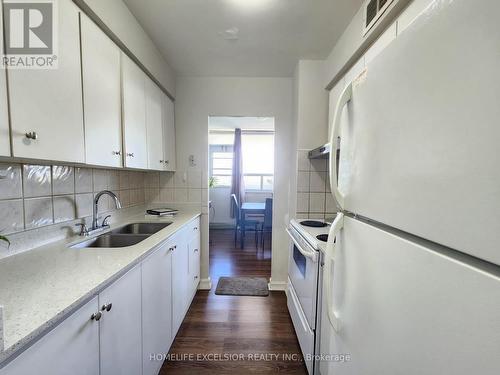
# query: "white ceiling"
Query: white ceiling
{"points": [[272, 34]]}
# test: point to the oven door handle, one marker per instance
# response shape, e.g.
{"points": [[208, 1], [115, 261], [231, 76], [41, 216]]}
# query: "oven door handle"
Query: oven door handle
{"points": [[313, 255]]}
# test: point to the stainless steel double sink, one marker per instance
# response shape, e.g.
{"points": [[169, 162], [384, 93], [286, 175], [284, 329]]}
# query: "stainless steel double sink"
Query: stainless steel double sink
{"points": [[128, 235]]}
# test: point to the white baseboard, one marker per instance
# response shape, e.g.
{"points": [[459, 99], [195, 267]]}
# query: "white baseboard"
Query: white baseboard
{"points": [[277, 285], [205, 284]]}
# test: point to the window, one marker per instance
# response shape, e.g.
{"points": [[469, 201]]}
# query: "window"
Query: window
{"points": [[221, 159], [258, 161]]}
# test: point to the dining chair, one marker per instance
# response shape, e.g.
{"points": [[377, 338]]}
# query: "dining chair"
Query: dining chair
{"points": [[243, 225], [267, 224]]}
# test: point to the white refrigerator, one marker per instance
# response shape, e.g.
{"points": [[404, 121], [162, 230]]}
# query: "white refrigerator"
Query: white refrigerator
{"points": [[412, 272]]}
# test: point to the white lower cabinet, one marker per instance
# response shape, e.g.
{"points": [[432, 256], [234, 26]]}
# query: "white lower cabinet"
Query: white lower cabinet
{"points": [[70, 348], [194, 263], [120, 328], [156, 307], [180, 281]]}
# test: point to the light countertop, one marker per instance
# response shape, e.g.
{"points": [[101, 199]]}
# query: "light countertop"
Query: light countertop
{"points": [[41, 287]]}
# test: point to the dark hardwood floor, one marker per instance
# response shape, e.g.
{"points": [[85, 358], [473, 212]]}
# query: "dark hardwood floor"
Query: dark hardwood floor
{"points": [[232, 334]]}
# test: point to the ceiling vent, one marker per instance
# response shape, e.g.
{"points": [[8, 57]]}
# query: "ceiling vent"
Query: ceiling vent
{"points": [[374, 9]]}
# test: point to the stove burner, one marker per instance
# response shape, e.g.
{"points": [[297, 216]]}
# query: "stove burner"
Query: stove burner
{"points": [[313, 224], [323, 237]]}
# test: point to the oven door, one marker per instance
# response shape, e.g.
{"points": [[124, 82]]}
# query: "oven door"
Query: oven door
{"points": [[303, 268]]}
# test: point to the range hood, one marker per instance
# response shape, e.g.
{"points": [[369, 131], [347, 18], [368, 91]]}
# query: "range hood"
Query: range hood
{"points": [[320, 153]]}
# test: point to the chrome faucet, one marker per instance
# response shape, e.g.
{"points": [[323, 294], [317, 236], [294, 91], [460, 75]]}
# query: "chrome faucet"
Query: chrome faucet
{"points": [[95, 223]]}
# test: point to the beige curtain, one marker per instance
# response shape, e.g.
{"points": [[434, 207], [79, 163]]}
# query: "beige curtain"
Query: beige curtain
{"points": [[237, 186]]}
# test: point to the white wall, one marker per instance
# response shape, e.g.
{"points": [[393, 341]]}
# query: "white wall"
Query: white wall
{"points": [[198, 98], [116, 16], [352, 39]]}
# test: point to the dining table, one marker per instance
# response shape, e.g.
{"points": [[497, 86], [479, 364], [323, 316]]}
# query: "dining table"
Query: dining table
{"points": [[252, 209]]}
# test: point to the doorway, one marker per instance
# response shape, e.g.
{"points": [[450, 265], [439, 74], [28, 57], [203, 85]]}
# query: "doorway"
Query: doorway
{"points": [[240, 228]]}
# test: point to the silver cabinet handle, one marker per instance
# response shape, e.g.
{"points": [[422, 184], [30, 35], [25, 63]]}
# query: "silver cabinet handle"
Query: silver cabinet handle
{"points": [[96, 316], [117, 153], [130, 154], [32, 135], [106, 307]]}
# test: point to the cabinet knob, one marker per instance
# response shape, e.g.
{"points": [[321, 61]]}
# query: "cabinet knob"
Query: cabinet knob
{"points": [[167, 161], [130, 154], [195, 228], [32, 135], [173, 248], [195, 250], [162, 161], [116, 152], [107, 307], [196, 277], [96, 316]]}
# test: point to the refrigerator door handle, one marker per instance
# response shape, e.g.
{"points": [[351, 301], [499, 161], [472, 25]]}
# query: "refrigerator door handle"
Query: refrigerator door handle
{"points": [[333, 315], [345, 98]]}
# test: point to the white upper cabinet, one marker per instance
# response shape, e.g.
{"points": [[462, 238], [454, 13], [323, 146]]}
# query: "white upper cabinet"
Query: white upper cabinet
{"points": [[48, 102], [4, 113], [154, 126], [134, 114], [168, 133], [101, 96]]}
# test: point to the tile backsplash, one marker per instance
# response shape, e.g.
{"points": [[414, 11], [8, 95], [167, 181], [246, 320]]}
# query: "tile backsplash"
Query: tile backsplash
{"points": [[34, 196], [178, 187], [314, 199]]}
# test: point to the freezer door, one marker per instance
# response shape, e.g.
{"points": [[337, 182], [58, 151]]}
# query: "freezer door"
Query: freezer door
{"points": [[402, 308], [420, 134]]}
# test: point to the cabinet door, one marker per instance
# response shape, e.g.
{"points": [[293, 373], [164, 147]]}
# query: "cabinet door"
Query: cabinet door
{"points": [[70, 348], [156, 307], [102, 96], [154, 125], [4, 113], [194, 264], [134, 114], [120, 332], [169, 133], [180, 282], [49, 101]]}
